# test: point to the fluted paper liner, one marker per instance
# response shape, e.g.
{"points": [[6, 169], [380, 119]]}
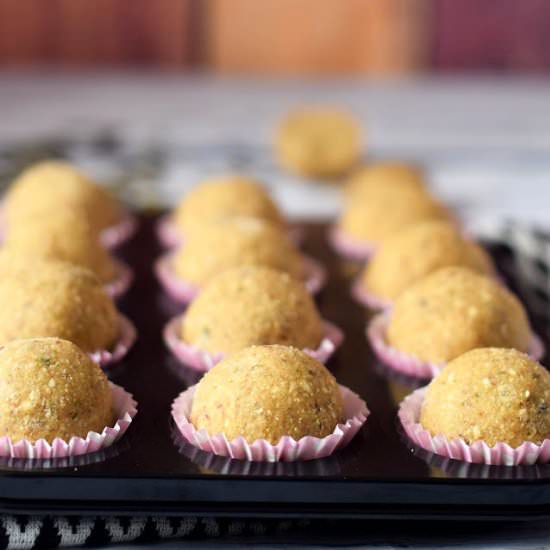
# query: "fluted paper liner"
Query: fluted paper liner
{"points": [[349, 247], [479, 452], [411, 365], [368, 299], [125, 409], [203, 361], [316, 275], [167, 232], [126, 339], [122, 281], [118, 234], [184, 291], [261, 450]]}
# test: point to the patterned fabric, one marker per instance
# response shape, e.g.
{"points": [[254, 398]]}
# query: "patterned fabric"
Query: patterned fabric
{"points": [[26, 532], [529, 267]]}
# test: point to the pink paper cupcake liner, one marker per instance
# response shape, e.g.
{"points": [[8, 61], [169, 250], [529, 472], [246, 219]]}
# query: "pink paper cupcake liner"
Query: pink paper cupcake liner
{"points": [[178, 289], [167, 233], [183, 291], [288, 449], [127, 338], [122, 281], [203, 361], [316, 275], [118, 234], [537, 349], [349, 247], [411, 365], [169, 236], [402, 362], [480, 452], [368, 299], [125, 409]]}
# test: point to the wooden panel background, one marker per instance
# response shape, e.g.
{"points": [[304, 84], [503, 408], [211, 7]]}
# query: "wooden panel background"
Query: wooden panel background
{"points": [[508, 35], [95, 32], [374, 37]]}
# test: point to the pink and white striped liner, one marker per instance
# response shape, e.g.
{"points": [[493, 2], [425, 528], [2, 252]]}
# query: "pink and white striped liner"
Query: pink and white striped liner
{"points": [[479, 452], [368, 299], [203, 361], [167, 233], [125, 409], [127, 338], [183, 291], [118, 234], [169, 236], [349, 247], [288, 449], [124, 277], [411, 365], [178, 289], [316, 275]]}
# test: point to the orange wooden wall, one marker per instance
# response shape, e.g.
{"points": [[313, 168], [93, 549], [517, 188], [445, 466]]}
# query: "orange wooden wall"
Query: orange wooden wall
{"points": [[318, 36]]}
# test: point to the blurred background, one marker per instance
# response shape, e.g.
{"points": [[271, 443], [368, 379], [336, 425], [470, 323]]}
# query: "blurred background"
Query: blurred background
{"points": [[172, 90], [283, 37]]}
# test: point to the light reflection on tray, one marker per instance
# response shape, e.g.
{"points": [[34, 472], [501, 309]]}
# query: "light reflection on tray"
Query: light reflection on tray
{"points": [[212, 464]]}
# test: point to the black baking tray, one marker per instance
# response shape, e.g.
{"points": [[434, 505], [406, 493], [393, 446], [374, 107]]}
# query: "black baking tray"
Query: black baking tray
{"points": [[153, 471]]}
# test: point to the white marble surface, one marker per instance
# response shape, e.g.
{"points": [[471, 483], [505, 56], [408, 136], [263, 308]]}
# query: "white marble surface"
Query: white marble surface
{"points": [[486, 143]]}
